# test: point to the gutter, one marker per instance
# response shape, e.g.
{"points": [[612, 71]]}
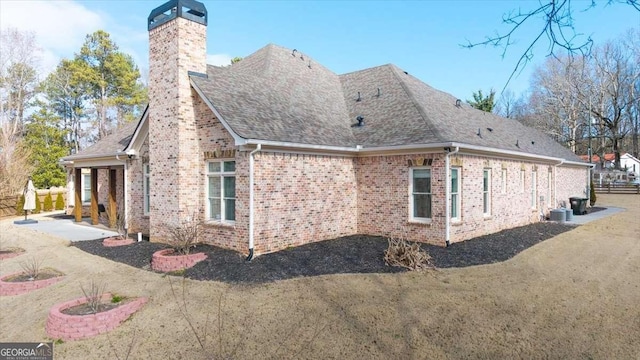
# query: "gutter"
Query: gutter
{"points": [[447, 219], [251, 218], [555, 182]]}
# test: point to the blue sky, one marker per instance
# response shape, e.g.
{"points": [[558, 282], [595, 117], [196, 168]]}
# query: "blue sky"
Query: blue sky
{"points": [[421, 37]]}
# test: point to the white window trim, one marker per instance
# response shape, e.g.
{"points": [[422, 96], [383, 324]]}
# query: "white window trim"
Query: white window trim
{"points": [[83, 183], [411, 199], [487, 192], [221, 175], [534, 190], [458, 217], [146, 195]]}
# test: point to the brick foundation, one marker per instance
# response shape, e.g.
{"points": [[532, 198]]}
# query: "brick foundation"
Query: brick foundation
{"points": [[164, 262], [8, 288], [75, 327]]}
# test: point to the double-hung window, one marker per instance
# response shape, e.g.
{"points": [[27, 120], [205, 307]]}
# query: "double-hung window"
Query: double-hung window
{"points": [[145, 188], [221, 191], [455, 193], [486, 192], [503, 181], [521, 181], [420, 194], [86, 188], [549, 188]]}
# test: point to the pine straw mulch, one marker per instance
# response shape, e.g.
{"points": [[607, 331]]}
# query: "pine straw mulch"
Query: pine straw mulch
{"points": [[350, 254]]}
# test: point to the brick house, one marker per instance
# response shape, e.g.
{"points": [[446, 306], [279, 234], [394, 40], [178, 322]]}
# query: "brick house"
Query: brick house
{"points": [[278, 151]]}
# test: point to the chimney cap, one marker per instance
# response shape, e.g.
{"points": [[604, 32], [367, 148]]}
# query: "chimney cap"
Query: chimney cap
{"points": [[187, 9]]}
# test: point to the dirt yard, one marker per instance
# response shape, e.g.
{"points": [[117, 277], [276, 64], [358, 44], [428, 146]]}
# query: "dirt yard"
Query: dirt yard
{"points": [[574, 296]]}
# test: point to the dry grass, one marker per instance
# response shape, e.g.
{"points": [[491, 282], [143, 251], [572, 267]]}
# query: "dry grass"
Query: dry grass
{"points": [[574, 296]]}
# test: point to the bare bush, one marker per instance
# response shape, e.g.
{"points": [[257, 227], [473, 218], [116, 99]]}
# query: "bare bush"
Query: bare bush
{"points": [[407, 255], [118, 222], [31, 267], [93, 293], [185, 235]]}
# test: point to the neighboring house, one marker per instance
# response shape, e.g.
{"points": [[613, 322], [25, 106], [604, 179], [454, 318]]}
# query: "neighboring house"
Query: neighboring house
{"points": [[277, 151], [627, 162]]}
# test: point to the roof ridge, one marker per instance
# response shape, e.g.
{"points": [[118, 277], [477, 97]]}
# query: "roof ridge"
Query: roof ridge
{"points": [[413, 99]]}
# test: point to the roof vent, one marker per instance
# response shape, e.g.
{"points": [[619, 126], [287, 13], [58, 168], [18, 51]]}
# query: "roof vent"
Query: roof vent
{"points": [[406, 73], [517, 144], [359, 98], [378, 92], [187, 9], [309, 64], [458, 102], [533, 143], [301, 57], [490, 129], [360, 119], [479, 133], [293, 53]]}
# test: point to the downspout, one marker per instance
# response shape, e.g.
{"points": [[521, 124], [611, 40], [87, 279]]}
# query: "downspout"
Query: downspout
{"points": [[447, 186], [251, 160], [555, 177], [126, 195]]}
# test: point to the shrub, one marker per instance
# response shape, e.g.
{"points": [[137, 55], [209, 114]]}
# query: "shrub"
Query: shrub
{"points": [[592, 194], [185, 235], [407, 255], [59, 202], [38, 208], [20, 206], [31, 267], [48, 202], [93, 294]]}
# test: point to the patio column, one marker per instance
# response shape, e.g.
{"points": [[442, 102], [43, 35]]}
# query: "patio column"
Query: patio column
{"points": [[94, 197], [113, 206], [77, 206]]}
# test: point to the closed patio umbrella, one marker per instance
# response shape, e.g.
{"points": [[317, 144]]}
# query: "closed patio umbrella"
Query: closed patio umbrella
{"points": [[29, 202]]}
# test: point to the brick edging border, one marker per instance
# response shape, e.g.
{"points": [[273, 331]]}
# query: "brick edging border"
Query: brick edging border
{"points": [[116, 241], [8, 288], [162, 261], [76, 327]]}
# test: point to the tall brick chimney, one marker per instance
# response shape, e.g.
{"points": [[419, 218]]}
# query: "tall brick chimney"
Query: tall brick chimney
{"points": [[177, 48]]}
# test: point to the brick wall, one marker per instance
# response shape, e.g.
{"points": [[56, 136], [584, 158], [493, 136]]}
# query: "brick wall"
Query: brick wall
{"points": [[303, 198], [175, 48], [383, 198]]}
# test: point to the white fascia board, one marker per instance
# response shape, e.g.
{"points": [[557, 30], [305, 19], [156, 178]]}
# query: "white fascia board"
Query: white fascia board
{"points": [[98, 162], [141, 133], [237, 138]]}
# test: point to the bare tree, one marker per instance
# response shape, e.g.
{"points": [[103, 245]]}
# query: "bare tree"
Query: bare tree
{"points": [[18, 81], [616, 75], [556, 29], [556, 99]]}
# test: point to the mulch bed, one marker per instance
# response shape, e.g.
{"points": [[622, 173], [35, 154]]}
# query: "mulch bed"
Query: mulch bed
{"points": [[350, 254]]}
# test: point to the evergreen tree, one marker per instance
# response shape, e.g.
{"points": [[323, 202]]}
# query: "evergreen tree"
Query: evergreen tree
{"points": [[46, 141], [20, 205], [48, 202], [59, 202], [484, 103]]}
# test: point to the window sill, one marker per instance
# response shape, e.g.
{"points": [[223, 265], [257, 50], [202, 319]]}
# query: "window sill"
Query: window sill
{"points": [[487, 217], [456, 222], [216, 223], [426, 222]]}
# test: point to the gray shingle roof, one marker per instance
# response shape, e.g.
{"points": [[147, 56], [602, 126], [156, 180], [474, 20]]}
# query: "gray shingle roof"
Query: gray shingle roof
{"points": [[274, 95], [109, 145], [280, 95]]}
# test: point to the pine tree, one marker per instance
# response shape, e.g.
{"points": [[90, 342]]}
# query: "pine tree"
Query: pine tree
{"points": [[38, 208], [59, 202], [48, 202], [20, 205], [484, 103]]}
